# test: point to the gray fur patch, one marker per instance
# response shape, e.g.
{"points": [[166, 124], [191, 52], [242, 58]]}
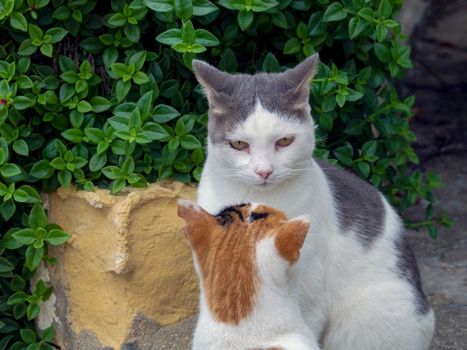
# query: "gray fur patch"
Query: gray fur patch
{"points": [[359, 205], [408, 269], [232, 98]]}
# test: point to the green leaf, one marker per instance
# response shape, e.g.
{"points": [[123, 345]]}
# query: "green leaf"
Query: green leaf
{"points": [[366, 13], [37, 217], [163, 113], [33, 309], [205, 38], [42, 170], [26, 48], [334, 12], [244, 19], [356, 27], [35, 33], [7, 209], [10, 170], [48, 334], [121, 89], [57, 237], [382, 52], [57, 34], [73, 135], [155, 132], [292, 46], [112, 172], [64, 178], [18, 21], [263, 5], [94, 134], [97, 161], [61, 13], [183, 9], [21, 147], [381, 32], [170, 37], [47, 50], [84, 107], [28, 336], [190, 142], [140, 78], [100, 104], [159, 5], [5, 265], [117, 20], [117, 186], [344, 154], [364, 169], [17, 283], [26, 194], [132, 32], [188, 33], [4, 151], [33, 258], [138, 59], [203, 7], [23, 102], [384, 8]]}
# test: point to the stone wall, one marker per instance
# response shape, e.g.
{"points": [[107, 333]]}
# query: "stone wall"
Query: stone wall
{"points": [[126, 274]]}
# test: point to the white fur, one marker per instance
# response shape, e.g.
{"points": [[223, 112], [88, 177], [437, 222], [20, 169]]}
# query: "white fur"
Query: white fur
{"points": [[351, 296]]}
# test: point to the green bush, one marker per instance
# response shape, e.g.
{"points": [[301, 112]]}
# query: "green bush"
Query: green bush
{"points": [[102, 94]]}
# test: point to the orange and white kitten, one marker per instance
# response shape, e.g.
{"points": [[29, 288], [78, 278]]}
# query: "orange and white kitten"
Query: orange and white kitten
{"points": [[246, 258]]}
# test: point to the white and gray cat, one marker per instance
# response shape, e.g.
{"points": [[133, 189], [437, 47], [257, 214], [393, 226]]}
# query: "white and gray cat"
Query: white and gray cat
{"points": [[358, 280]]}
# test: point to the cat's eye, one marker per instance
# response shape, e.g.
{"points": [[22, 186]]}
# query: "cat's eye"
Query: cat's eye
{"points": [[239, 145], [284, 142]]}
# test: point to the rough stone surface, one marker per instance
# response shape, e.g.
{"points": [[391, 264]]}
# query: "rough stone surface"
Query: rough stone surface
{"points": [[443, 262], [439, 82], [127, 271]]}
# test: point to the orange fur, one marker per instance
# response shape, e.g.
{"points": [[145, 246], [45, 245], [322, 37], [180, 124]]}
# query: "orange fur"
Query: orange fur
{"points": [[225, 250]]}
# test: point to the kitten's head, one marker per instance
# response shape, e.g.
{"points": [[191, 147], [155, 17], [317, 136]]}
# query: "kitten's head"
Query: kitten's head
{"points": [[260, 129], [238, 250]]}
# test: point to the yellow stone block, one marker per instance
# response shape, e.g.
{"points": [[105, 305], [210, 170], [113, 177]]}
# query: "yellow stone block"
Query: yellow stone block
{"points": [[127, 257]]}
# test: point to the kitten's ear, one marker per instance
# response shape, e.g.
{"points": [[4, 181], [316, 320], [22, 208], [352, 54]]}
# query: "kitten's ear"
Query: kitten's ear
{"points": [[189, 211], [199, 224], [290, 238], [211, 78]]}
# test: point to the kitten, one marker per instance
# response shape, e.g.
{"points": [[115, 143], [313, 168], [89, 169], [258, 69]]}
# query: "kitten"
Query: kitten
{"points": [[246, 257], [358, 280]]}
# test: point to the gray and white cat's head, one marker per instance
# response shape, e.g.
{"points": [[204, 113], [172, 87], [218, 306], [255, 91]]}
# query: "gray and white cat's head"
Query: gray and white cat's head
{"points": [[260, 131]]}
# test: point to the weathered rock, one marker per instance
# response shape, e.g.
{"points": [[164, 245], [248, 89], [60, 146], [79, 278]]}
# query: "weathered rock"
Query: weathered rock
{"points": [[439, 42], [127, 271]]}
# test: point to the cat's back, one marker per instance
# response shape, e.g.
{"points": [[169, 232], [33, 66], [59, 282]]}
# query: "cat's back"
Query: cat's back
{"points": [[365, 217], [359, 206]]}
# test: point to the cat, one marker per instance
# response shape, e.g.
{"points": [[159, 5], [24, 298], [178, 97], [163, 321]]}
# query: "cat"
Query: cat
{"points": [[245, 257], [359, 284]]}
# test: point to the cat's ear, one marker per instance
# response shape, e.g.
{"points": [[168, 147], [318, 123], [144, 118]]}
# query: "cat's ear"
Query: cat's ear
{"points": [[299, 78], [211, 79], [290, 238], [199, 223]]}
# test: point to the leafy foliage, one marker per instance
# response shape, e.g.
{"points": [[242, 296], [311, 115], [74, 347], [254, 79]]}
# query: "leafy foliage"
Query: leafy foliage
{"points": [[102, 94]]}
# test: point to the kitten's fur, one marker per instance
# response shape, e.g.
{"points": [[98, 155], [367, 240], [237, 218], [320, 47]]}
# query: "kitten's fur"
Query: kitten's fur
{"points": [[358, 280], [245, 257]]}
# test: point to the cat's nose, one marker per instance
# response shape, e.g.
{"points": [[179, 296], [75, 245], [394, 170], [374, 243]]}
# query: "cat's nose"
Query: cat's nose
{"points": [[264, 173]]}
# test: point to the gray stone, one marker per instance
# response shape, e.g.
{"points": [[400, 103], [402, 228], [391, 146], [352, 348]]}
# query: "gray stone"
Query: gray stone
{"points": [[442, 261], [147, 334], [87, 341]]}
